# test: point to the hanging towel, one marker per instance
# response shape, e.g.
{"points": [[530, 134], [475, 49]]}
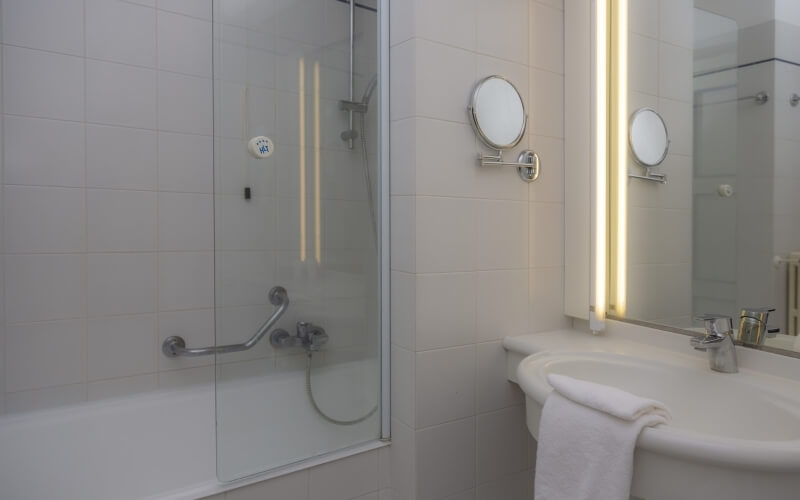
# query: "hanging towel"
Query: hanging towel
{"points": [[587, 435]]}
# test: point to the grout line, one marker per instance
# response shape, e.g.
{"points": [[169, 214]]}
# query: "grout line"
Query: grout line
{"points": [[85, 210]]}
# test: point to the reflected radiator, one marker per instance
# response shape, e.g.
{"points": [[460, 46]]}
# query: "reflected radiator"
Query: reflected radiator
{"points": [[793, 295]]}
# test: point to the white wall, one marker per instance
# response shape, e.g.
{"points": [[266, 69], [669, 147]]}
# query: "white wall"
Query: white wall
{"points": [[107, 203], [477, 254]]}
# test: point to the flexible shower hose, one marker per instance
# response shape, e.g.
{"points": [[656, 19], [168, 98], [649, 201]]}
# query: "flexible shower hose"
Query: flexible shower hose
{"points": [[319, 410]]}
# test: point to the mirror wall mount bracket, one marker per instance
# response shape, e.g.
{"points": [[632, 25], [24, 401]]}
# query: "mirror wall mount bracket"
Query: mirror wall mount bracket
{"points": [[527, 163], [649, 175]]}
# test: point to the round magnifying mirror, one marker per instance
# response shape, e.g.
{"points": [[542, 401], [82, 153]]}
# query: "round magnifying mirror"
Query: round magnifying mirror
{"points": [[648, 137], [498, 113]]}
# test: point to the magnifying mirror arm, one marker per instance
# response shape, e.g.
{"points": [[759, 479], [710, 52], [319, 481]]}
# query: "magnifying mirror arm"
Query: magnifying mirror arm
{"points": [[650, 176], [527, 164], [497, 161]]}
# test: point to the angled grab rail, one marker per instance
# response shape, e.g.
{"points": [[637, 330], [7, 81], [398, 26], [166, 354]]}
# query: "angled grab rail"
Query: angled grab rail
{"points": [[175, 346]]}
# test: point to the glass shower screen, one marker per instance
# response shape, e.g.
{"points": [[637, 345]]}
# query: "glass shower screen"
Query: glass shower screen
{"points": [[296, 205]]}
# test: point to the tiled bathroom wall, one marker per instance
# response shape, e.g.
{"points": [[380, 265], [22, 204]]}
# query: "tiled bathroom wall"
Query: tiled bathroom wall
{"points": [[108, 180], [477, 254], [107, 204], [660, 215]]}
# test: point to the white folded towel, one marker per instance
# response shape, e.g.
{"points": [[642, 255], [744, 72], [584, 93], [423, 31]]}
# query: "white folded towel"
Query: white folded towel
{"points": [[587, 435]]}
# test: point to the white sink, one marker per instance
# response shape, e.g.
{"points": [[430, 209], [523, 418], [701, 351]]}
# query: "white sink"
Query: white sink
{"points": [[732, 436]]}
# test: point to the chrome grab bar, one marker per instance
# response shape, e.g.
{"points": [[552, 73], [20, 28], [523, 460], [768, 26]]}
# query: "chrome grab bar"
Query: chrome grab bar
{"points": [[175, 346]]}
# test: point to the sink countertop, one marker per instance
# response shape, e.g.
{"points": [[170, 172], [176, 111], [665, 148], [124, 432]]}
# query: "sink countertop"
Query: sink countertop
{"points": [[761, 373]]}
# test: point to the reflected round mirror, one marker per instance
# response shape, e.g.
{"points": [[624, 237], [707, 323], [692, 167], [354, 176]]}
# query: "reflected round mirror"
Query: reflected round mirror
{"points": [[498, 113], [648, 137]]}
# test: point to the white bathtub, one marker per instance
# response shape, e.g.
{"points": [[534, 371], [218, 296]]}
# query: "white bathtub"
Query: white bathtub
{"points": [[162, 445]]}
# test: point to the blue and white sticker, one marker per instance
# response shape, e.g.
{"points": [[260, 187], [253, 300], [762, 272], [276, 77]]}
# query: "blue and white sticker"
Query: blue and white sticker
{"points": [[261, 146]]}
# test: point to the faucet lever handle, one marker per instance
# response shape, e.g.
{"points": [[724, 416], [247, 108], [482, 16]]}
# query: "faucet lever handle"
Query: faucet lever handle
{"points": [[717, 325]]}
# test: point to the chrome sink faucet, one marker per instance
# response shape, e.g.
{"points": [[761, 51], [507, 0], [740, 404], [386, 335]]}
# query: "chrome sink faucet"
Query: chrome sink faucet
{"points": [[718, 342]]}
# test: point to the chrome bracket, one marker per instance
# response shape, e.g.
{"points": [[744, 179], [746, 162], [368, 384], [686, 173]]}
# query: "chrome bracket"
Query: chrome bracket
{"points": [[649, 175], [528, 164]]}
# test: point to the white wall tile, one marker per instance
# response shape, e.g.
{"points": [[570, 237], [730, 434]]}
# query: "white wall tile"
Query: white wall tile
{"points": [[49, 397], [289, 487], [404, 309], [442, 90], [403, 385], [643, 17], [30, 89], [403, 157], [446, 459], [344, 479], [185, 162], [251, 225], [120, 95], [503, 309], [679, 118], [546, 115], [185, 221], [184, 44], [242, 278], [504, 29], [121, 387], [445, 234], [643, 66], [403, 228], [445, 310], [501, 235], [121, 346], [546, 37], [493, 391], [509, 487], [121, 32], [403, 80], [184, 104], [499, 446], [45, 354], [121, 220], [546, 234], [121, 283], [44, 24], [192, 8], [185, 280], [675, 72], [546, 298], [43, 152], [44, 219], [444, 385], [441, 171], [122, 158], [45, 287], [433, 19], [676, 19], [550, 184]]}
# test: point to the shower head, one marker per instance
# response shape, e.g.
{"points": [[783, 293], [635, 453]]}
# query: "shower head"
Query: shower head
{"points": [[363, 105], [373, 82]]}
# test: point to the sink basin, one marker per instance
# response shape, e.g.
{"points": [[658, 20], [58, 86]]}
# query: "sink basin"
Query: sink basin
{"points": [[732, 436], [746, 406]]}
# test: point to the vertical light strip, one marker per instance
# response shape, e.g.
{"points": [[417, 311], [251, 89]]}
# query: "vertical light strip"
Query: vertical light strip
{"points": [[621, 162], [317, 208], [301, 109], [601, 164]]}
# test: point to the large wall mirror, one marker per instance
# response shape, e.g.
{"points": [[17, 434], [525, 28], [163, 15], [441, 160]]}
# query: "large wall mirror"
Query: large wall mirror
{"points": [[723, 234]]}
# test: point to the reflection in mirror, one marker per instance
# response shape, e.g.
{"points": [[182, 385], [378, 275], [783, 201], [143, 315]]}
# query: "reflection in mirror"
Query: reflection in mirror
{"points": [[498, 113], [722, 236], [648, 137]]}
